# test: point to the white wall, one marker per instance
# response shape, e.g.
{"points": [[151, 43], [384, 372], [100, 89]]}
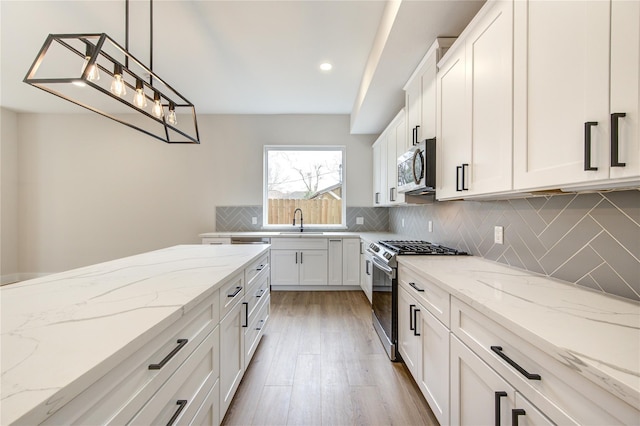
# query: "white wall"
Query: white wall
{"points": [[92, 190], [9, 196]]}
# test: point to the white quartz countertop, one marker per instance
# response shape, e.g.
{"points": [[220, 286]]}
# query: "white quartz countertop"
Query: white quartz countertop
{"points": [[599, 333], [367, 236], [66, 330]]}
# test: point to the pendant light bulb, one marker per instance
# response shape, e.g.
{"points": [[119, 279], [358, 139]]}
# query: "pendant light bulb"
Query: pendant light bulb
{"points": [[139, 99], [93, 74], [157, 106], [118, 87], [171, 118]]}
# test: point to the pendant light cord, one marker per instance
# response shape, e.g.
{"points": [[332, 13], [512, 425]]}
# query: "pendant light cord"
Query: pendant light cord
{"points": [[151, 40]]}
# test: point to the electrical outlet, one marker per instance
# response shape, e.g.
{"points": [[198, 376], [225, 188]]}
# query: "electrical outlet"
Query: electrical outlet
{"points": [[430, 226], [498, 235], [254, 220], [359, 220]]}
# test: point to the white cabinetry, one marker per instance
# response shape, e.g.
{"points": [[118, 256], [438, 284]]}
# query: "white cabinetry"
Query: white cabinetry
{"points": [[576, 80], [216, 240], [420, 96], [299, 261], [351, 261], [423, 340], [335, 261], [386, 150], [366, 272], [474, 142]]}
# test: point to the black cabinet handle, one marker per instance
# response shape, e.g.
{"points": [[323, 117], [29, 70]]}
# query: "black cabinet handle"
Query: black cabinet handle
{"points": [[391, 197], [411, 326], [416, 287], [235, 293], [181, 404], [414, 136], [525, 373], [260, 268], [614, 139], [417, 130], [415, 322], [458, 170], [296, 257], [260, 293], [498, 395], [181, 343], [587, 145], [301, 258], [515, 413], [366, 267], [259, 328], [377, 198], [246, 314], [465, 166]]}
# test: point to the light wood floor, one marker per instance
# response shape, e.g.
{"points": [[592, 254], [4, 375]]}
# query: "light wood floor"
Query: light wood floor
{"points": [[321, 363]]}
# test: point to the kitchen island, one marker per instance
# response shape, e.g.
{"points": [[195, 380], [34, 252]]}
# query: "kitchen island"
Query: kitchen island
{"points": [[65, 332]]}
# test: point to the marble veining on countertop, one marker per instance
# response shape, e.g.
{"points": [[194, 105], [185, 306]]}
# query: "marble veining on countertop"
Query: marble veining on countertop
{"points": [[66, 330], [600, 333]]}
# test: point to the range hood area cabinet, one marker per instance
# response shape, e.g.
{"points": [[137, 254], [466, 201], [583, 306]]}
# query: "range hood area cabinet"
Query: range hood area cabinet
{"points": [[575, 66], [420, 95], [522, 108]]}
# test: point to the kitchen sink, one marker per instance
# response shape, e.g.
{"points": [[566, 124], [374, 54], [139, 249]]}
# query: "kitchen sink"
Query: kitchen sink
{"points": [[301, 233]]}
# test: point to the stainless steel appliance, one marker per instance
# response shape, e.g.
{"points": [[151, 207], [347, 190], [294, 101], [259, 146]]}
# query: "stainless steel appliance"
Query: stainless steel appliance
{"points": [[417, 169], [385, 284]]}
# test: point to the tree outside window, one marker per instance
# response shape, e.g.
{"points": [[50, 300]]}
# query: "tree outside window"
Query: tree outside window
{"points": [[309, 178]]}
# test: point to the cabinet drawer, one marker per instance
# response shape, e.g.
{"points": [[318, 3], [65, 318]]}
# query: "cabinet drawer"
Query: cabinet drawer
{"points": [[231, 293], [258, 266], [183, 394], [255, 330], [430, 295], [299, 244], [216, 240], [118, 396], [256, 293], [561, 393], [209, 412]]}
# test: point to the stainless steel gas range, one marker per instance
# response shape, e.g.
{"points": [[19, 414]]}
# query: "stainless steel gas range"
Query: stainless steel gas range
{"points": [[385, 284]]}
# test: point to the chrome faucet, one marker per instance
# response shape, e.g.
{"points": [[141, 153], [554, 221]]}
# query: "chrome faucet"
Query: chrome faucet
{"points": [[301, 219]]}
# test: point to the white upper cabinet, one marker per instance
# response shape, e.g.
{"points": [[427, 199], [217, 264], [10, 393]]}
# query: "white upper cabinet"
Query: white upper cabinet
{"points": [[386, 150], [420, 95], [474, 93], [575, 80]]}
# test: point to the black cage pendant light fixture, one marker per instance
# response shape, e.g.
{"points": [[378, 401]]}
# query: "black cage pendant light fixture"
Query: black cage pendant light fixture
{"points": [[96, 73]]}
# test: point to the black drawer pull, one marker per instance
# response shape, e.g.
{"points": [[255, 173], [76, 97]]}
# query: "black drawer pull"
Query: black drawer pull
{"points": [[181, 343], [614, 139], [515, 413], [465, 166], [181, 404], [587, 145], [260, 293], [498, 395], [458, 171], [260, 328], [411, 326], [235, 293], [246, 315], [416, 287], [525, 373], [415, 322], [260, 268]]}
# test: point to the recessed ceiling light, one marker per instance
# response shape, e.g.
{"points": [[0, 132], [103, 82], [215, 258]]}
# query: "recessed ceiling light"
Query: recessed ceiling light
{"points": [[326, 66]]}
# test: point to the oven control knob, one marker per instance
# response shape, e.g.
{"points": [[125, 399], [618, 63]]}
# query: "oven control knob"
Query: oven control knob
{"points": [[374, 247], [387, 256]]}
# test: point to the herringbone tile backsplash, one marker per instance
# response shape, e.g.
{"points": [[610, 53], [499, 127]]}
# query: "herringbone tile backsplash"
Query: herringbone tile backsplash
{"points": [[592, 240], [238, 219]]}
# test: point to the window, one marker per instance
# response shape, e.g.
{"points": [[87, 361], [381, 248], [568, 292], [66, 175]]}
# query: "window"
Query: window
{"points": [[310, 178]]}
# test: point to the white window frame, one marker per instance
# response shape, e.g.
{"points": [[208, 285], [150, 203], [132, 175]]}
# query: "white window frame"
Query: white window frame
{"points": [[265, 187]]}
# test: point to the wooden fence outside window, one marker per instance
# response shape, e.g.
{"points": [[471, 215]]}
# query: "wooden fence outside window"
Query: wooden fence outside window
{"points": [[315, 211]]}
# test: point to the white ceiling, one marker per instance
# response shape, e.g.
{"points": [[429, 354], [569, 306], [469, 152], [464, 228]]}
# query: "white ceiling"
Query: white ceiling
{"points": [[247, 57]]}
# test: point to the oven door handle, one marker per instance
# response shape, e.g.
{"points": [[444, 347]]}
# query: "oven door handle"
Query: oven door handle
{"points": [[380, 265]]}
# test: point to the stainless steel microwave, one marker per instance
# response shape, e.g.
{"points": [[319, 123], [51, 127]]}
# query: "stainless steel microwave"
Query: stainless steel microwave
{"points": [[417, 169]]}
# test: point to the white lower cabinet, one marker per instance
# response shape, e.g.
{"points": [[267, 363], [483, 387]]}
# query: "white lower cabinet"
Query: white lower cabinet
{"points": [[299, 261], [351, 261], [366, 272], [335, 261], [231, 354], [423, 343]]}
